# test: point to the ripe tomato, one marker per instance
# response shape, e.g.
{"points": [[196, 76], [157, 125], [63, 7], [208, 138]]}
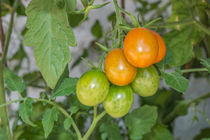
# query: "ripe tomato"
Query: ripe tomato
{"points": [[118, 101], [146, 82], [117, 68], [162, 47], [140, 47], [92, 87]]}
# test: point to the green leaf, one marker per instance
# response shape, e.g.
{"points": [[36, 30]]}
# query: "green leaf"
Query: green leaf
{"points": [[96, 29], [204, 134], [73, 109], [50, 34], [110, 132], [60, 3], [159, 132], [25, 111], [181, 44], [206, 63], [84, 3], [67, 123], [50, 116], [14, 83], [71, 5], [67, 87], [140, 121], [176, 81], [181, 108], [75, 19]]}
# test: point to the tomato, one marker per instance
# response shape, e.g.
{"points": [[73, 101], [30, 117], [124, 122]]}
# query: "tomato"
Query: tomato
{"points": [[140, 47], [146, 82], [161, 45], [118, 101], [92, 87], [117, 68]]}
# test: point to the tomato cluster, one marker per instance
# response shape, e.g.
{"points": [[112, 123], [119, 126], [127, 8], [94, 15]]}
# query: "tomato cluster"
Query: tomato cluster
{"points": [[128, 69]]}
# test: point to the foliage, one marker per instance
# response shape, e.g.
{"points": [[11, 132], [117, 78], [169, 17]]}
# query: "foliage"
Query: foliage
{"points": [[49, 30]]}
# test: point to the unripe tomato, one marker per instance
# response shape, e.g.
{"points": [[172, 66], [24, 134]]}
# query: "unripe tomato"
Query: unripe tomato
{"points": [[162, 47], [92, 87], [117, 68], [118, 101], [140, 47], [146, 82]]}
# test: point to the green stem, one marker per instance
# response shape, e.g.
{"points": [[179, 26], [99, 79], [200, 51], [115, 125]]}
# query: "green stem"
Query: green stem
{"points": [[104, 48], [199, 99], [9, 32], [93, 125], [64, 113], [196, 101], [194, 70], [153, 21], [51, 103], [172, 24], [3, 111]]}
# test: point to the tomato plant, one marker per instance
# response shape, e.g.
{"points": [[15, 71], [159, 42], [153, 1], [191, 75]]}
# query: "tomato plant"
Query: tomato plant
{"points": [[119, 101], [92, 88], [145, 70], [140, 47], [146, 82], [117, 68]]}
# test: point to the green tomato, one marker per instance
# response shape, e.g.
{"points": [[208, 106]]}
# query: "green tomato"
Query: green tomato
{"points": [[92, 87], [146, 82], [118, 101]]}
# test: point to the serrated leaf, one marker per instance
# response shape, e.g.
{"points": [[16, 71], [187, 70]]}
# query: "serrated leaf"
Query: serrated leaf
{"points": [[96, 29], [50, 34], [70, 5], [206, 63], [25, 111], [67, 123], [50, 116], [159, 132], [67, 87], [140, 121], [181, 44], [14, 83], [176, 81], [110, 132]]}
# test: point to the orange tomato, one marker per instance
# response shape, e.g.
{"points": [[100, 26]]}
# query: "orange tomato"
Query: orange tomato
{"points": [[117, 68], [140, 47], [162, 47]]}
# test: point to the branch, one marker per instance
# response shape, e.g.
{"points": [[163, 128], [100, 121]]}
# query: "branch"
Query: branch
{"points": [[1, 31], [194, 70], [194, 102], [9, 32]]}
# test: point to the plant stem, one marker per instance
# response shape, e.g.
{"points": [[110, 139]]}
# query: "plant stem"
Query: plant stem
{"points": [[3, 111], [196, 101], [1, 31], [64, 113], [194, 70], [93, 125], [9, 32]]}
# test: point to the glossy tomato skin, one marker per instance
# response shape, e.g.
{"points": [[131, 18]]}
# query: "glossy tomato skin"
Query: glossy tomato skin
{"points": [[146, 82], [140, 47], [118, 101], [117, 68], [161, 45], [92, 87]]}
